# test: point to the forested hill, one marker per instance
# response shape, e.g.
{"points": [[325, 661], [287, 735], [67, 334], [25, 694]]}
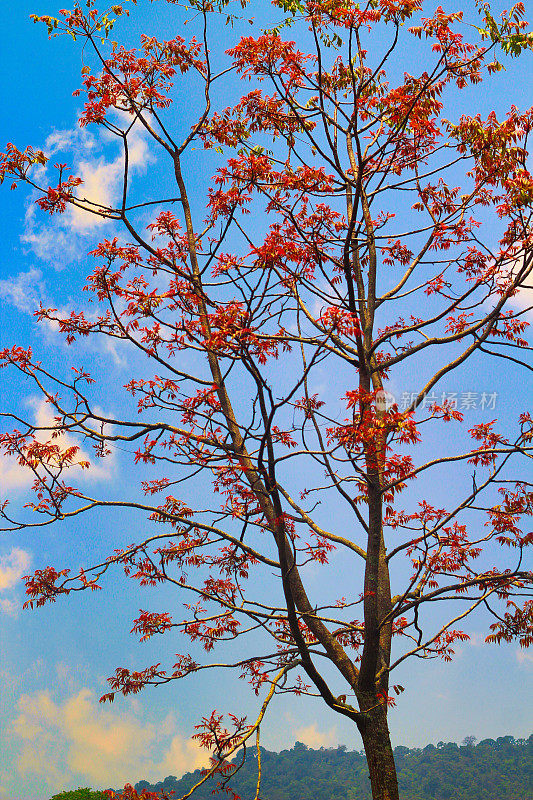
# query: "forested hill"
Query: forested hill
{"points": [[500, 769]]}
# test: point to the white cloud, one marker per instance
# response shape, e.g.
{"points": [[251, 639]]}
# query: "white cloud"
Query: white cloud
{"points": [[70, 139], [13, 476], [102, 180], [524, 657], [61, 239], [523, 299], [9, 607], [50, 240], [82, 740], [312, 737], [13, 566], [477, 639], [44, 418], [24, 291]]}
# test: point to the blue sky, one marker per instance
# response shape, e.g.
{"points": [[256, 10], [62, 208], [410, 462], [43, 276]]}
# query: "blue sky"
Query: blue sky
{"points": [[54, 662]]}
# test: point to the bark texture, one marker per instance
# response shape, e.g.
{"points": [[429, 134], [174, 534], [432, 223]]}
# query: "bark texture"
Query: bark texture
{"points": [[374, 731]]}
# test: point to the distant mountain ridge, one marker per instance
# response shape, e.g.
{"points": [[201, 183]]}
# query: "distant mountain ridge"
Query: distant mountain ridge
{"points": [[500, 769]]}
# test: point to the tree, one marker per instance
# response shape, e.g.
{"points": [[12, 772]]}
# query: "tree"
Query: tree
{"points": [[129, 793], [350, 227], [447, 773], [81, 794]]}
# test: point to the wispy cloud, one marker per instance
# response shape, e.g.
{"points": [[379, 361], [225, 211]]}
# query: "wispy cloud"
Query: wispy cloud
{"points": [[477, 639], [51, 241], [24, 291], [8, 606], [27, 290], [77, 139], [523, 299], [62, 239], [102, 181], [524, 657], [13, 476], [13, 566], [79, 739], [313, 737]]}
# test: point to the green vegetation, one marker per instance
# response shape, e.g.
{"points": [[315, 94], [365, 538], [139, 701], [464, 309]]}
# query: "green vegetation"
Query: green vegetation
{"points": [[84, 793], [500, 769]]}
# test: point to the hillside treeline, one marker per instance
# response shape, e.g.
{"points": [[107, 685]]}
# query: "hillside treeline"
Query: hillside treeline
{"points": [[500, 769]]}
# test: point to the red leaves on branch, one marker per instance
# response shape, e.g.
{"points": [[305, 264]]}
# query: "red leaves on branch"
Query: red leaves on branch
{"points": [[57, 198], [17, 163], [139, 79], [517, 623], [125, 682], [149, 623], [254, 670], [42, 586], [489, 440], [214, 736], [442, 645], [504, 517], [340, 322], [371, 426], [129, 793], [224, 627], [268, 54]]}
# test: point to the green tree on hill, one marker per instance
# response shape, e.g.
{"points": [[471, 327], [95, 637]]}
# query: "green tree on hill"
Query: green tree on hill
{"points": [[81, 793]]}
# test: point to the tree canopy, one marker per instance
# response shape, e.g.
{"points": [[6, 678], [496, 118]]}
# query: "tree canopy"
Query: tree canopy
{"points": [[491, 768], [82, 793]]}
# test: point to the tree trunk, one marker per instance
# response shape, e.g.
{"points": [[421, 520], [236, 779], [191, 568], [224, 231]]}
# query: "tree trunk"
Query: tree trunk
{"points": [[374, 731]]}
